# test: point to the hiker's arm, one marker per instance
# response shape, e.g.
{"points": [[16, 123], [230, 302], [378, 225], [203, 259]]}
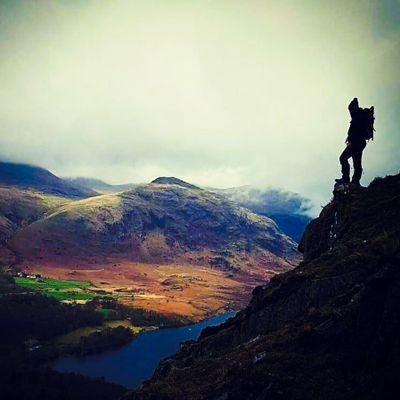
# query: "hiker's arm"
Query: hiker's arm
{"points": [[353, 107]]}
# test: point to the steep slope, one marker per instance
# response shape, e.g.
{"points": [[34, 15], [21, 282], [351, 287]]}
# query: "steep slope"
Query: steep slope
{"points": [[39, 179], [287, 209], [98, 185], [168, 237], [329, 329]]}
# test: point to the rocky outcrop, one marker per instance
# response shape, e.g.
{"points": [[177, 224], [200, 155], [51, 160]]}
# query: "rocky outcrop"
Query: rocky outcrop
{"points": [[329, 329]]}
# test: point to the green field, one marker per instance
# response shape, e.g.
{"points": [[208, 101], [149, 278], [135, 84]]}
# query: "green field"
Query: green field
{"points": [[57, 288], [62, 296], [51, 284]]}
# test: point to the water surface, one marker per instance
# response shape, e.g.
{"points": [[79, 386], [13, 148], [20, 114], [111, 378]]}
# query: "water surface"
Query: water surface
{"points": [[132, 364]]}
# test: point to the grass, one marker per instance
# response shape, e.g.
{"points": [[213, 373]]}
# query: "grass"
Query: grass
{"points": [[51, 284], [63, 296], [59, 289]]}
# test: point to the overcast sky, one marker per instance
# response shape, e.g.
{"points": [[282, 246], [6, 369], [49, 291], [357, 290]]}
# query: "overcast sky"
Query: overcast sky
{"points": [[219, 93]]}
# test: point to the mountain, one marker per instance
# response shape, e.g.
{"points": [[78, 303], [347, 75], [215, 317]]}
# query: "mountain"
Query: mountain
{"points": [[329, 329], [98, 185], [168, 246], [36, 178], [287, 209], [179, 218]]}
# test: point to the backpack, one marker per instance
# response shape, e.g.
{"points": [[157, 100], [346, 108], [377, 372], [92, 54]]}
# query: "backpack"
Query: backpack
{"points": [[368, 123]]}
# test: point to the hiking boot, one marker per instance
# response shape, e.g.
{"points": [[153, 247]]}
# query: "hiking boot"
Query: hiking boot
{"points": [[342, 180]]}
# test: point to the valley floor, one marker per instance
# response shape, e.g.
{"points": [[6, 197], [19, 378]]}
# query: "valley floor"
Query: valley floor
{"points": [[193, 293]]}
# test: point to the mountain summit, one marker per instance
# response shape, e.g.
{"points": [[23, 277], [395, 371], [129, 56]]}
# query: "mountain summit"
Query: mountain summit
{"points": [[165, 180], [329, 329]]}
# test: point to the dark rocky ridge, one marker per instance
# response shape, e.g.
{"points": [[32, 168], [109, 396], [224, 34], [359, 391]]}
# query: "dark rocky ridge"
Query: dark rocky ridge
{"points": [[328, 329]]}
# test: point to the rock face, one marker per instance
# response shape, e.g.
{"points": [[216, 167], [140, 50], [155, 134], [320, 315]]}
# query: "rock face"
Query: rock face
{"points": [[329, 329]]}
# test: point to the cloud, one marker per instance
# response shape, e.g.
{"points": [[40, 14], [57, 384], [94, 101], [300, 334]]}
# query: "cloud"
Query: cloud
{"points": [[219, 93]]}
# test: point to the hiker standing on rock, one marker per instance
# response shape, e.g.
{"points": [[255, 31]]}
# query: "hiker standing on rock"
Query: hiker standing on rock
{"points": [[361, 129]]}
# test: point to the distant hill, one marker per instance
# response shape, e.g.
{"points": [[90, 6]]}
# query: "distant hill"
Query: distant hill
{"points": [[98, 185], [31, 177], [174, 217], [287, 209]]}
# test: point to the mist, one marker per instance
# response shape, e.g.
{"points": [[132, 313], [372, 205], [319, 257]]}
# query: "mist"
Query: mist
{"points": [[218, 93]]}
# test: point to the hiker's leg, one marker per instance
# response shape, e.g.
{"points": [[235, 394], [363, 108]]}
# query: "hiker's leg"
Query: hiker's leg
{"points": [[357, 163], [344, 162]]}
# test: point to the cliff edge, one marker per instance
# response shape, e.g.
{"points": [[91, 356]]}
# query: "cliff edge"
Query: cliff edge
{"points": [[329, 329]]}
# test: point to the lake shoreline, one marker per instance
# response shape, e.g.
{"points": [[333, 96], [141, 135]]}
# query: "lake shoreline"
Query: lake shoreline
{"points": [[133, 363]]}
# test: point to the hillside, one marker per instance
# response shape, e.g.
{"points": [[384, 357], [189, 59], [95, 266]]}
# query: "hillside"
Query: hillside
{"points": [[329, 329], [169, 245], [287, 209], [39, 179], [20, 208]]}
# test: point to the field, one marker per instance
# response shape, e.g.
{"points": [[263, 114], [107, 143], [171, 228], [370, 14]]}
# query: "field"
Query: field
{"points": [[60, 289]]}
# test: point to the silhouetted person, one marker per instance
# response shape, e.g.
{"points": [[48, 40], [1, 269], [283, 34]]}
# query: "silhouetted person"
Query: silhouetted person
{"points": [[361, 129]]}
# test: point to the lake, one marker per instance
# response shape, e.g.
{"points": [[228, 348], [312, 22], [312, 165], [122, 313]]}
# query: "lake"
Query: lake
{"points": [[134, 363]]}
